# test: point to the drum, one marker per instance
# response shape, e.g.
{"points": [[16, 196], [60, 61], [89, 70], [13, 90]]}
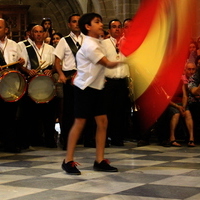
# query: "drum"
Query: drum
{"points": [[41, 88], [12, 85]]}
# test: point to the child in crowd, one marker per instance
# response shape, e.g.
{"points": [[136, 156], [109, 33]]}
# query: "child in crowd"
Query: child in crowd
{"points": [[88, 91]]}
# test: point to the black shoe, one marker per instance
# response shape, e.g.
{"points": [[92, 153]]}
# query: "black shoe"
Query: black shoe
{"points": [[142, 143], [90, 144], [104, 166], [117, 143], [107, 144], [51, 144], [12, 149], [70, 168], [165, 143]]}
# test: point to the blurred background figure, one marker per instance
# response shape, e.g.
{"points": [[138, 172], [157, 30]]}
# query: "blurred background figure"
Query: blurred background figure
{"points": [[55, 38], [47, 40], [192, 51], [198, 46], [47, 26], [190, 69]]}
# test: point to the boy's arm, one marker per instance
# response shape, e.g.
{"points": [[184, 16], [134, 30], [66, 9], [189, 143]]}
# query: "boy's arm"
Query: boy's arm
{"points": [[105, 62]]}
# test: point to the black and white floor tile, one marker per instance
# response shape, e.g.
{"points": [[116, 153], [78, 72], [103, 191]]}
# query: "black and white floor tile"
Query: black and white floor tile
{"points": [[145, 173]]}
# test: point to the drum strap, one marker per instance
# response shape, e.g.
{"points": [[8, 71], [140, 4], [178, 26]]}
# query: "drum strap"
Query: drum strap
{"points": [[2, 60], [71, 44], [32, 55]]}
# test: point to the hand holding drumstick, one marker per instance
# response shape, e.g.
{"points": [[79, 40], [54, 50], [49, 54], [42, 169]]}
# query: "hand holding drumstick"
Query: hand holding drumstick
{"points": [[21, 62]]}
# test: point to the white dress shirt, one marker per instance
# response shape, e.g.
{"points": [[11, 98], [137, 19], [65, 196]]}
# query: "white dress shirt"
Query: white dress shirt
{"points": [[45, 53], [89, 72], [122, 69], [10, 50], [22, 45], [64, 53]]}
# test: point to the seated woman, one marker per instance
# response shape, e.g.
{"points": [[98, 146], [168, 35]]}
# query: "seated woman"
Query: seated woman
{"points": [[178, 107]]}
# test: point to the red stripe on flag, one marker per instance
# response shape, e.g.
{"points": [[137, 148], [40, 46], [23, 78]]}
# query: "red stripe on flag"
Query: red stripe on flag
{"points": [[140, 25]]}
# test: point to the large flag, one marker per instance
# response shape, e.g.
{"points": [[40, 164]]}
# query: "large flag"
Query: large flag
{"points": [[156, 48]]}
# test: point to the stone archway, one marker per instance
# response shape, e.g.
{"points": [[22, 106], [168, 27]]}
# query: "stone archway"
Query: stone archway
{"points": [[57, 10]]}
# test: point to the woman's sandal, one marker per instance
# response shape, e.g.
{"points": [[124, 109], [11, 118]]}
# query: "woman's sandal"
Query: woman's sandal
{"points": [[191, 143], [174, 143]]}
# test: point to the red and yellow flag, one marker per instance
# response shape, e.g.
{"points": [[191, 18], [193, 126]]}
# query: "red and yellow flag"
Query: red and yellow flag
{"points": [[156, 48]]}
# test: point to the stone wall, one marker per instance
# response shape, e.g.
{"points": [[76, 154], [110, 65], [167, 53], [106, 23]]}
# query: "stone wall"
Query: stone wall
{"points": [[59, 10]]}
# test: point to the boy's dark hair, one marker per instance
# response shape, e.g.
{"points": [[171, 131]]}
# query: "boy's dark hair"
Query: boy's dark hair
{"points": [[72, 15], [86, 19], [113, 20]]}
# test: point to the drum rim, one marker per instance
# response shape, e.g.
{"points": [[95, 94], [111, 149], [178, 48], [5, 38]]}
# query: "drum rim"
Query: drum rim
{"points": [[7, 72], [53, 94]]}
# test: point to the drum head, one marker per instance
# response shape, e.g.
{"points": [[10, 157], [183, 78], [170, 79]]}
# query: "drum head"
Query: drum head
{"points": [[12, 86], [41, 89]]}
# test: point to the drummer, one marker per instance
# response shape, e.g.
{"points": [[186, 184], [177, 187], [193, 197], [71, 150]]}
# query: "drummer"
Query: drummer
{"points": [[38, 119], [9, 53]]}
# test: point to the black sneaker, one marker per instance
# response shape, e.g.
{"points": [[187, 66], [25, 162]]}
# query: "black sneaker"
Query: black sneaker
{"points": [[70, 168], [104, 166]]}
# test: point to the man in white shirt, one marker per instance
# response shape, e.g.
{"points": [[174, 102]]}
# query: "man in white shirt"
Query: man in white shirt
{"points": [[65, 65], [116, 89], [10, 53], [39, 118]]}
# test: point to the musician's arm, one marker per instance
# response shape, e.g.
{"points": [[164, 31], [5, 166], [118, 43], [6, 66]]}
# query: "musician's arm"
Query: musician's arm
{"points": [[23, 68], [58, 67], [21, 61]]}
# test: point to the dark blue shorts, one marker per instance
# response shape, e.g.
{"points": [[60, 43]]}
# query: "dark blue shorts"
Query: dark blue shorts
{"points": [[88, 102], [173, 110]]}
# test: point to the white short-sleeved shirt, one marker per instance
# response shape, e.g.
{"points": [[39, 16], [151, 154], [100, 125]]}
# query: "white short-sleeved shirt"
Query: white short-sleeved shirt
{"points": [[11, 51], [45, 53], [122, 69], [64, 53], [89, 72], [22, 45]]}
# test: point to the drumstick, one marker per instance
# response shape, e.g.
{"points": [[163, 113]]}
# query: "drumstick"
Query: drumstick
{"points": [[9, 64], [43, 66], [39, 67]]}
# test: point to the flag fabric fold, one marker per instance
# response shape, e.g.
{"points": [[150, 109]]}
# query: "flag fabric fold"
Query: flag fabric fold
{"points": [[156, 48]]}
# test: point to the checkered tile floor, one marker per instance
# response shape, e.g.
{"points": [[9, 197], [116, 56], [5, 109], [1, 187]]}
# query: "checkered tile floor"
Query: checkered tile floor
{"points": [[145, 173]]}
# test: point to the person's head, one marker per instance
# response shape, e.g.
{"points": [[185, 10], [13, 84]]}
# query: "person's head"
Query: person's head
{"points": [[105, 34], [192, 46], [126, 25], [190, 69], [115, 28], [46, 23], [91, 24], [47, 40], [28, 30], [198, 42], [73, 23], [37, 34], [55, 38], [3, 29], [197, 61]]}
